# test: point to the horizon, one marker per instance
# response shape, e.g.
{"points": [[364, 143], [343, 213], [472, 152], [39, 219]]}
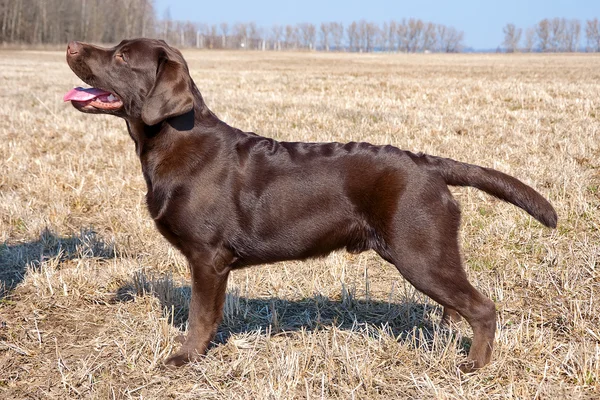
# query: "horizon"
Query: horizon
{"points": [[482, 24]]}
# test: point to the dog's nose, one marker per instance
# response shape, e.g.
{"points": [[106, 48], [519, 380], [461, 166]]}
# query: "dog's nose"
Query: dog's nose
{"points": [[73, 48]]}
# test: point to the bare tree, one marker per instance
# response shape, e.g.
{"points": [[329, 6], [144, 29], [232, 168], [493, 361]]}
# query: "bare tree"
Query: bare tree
{"points": [[240, 32], [212, 35], [512, 37], [390, 35], [387, 36], [224, 31], [190, 34], [308, 34], [373, 34], [367, 35], [254, 36], [429, 37], [337, 34], [402, 37], [558, 28], [572, 35], [277, 35], [291, 37], [352, 32], [441, 37], [15, 20], [529, 42], [362, 35], [453, 41], [542, 31], [383, 37], [415, 28], [325, 33], [166, 24], [592, 35]]}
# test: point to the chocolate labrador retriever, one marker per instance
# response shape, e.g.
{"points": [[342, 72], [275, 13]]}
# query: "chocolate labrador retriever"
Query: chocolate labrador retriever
{"points": [[229, 199]]}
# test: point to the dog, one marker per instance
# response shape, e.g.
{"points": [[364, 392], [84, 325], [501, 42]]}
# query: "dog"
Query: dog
{"points": [[229, 199]]}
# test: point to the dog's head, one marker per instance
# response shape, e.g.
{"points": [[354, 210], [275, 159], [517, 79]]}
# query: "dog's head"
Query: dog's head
{"points": [[140, 79]]}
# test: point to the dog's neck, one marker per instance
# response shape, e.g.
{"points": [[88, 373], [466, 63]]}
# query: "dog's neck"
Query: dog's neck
{"points": [[201, 111], [199, 115], [200, 119]]}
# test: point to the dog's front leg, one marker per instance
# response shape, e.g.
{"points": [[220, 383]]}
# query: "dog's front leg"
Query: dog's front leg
{"points": [[209, 284]]}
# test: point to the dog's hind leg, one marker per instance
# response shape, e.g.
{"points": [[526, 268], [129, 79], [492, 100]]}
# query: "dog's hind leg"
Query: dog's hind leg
{"points": [[424, 248]]}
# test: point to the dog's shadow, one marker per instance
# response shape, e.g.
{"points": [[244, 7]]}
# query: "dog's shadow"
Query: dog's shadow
{"points": [[412, 321], [16, 259]]}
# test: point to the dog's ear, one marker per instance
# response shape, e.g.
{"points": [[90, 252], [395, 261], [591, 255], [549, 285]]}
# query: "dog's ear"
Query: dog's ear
{"points": [[171, 94]]}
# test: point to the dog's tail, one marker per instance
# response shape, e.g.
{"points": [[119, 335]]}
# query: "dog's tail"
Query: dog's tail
{"points": [[496, 183]]}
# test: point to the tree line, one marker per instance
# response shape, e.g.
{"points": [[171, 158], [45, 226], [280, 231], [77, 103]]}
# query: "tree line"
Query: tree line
{"points": [[553, 35], [58, 21], [409, 35], [109, 21]]}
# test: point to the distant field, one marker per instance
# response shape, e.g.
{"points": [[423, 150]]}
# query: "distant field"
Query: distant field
{"points": [[92, 299]]}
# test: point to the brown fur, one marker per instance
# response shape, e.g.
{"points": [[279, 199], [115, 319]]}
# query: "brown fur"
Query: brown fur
{"points": [[229, 199]]}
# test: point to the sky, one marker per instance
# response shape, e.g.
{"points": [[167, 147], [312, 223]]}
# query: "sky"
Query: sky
{"points": [[482, 21]]}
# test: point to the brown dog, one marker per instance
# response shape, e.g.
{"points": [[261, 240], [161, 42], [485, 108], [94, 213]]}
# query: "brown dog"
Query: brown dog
{"points": [[229, 199]]}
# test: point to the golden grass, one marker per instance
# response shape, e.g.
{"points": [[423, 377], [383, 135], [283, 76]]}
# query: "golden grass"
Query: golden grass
{"points": [[92, 298]]}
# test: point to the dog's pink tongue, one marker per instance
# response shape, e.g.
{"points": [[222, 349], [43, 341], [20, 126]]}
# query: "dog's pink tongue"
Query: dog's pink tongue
{"points": [[84, 94]]}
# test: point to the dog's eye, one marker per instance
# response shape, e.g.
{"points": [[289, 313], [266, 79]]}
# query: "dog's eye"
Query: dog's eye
{"points": [[121, 56]]}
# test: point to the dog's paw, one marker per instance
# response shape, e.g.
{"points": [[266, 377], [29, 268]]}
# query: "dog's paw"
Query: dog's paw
{"points": [[177, 360], [468, 367]]}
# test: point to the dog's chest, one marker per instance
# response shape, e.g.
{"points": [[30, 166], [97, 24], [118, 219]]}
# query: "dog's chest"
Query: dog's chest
{"points": [[191, 209], [167, 215]]}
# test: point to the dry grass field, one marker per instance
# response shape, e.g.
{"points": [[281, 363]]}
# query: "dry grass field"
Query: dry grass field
{"points": [[92, 298]]}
